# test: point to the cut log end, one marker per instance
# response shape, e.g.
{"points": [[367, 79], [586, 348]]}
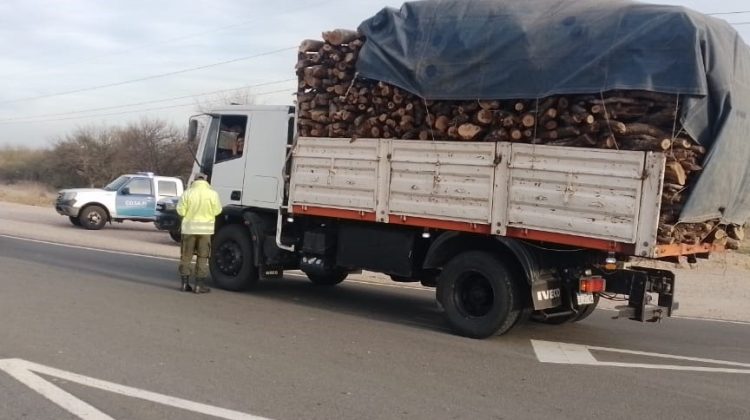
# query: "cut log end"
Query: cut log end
{"points": [[469, 131]]}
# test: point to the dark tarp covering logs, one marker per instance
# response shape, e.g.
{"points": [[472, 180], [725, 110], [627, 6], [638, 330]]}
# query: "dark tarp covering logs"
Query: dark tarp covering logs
{"points": [[503, 49]]}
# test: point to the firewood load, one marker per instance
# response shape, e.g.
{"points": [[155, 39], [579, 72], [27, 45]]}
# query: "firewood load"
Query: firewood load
{"points": [[334, 102]]}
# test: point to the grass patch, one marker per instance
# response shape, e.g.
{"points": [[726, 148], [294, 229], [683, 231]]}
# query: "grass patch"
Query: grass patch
{"points": [[744, 248], [29, 193]]}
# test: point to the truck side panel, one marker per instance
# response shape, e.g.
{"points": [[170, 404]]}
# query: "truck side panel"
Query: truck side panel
{"points": [[445, 180], [487, 187], [593, 193], [337, 174]]}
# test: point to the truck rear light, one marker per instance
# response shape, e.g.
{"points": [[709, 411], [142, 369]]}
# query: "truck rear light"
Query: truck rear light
{"points": [[593, 284]]}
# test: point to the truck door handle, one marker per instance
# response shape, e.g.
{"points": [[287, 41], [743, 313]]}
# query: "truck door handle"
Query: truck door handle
{"points": [[236, 195]]}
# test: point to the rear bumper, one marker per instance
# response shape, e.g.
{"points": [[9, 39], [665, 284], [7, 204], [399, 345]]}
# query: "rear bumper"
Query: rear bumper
{"points": [[639, 284]]}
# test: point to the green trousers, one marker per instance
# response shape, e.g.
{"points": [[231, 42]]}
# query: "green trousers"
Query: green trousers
{"points": [[199, 245]]}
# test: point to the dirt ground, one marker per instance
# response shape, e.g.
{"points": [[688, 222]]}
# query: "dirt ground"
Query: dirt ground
{"points": [[718, 288]]}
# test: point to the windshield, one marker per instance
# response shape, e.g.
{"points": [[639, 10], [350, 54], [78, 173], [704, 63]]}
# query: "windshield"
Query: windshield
{"points": [[117, 183]]}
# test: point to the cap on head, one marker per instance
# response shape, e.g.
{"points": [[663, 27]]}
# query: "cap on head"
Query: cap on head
{"points": [[202, 176]]}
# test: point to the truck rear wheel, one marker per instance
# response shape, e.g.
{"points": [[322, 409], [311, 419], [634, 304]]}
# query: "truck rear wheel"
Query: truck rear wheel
{"points": [[479, 294], [329, 278], [74, 220], [583, 313], [92, 217], [232, 264], [587, 310]]}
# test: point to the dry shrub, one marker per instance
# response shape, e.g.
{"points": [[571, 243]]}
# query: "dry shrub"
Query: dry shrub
{"points": [[30, 193]]}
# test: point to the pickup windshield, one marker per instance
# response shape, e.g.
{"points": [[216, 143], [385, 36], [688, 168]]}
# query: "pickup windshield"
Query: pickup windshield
{"points": [[117, 183]]}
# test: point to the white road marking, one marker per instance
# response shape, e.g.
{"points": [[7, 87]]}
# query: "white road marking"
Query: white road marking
{"points": [[65, 400], [721, 321], [578, 354], [26, 372], [85, 248], [692, 318]]}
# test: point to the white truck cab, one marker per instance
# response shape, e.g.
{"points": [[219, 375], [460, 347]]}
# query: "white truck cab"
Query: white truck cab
{"points": [[129, 197], [242, 148]]}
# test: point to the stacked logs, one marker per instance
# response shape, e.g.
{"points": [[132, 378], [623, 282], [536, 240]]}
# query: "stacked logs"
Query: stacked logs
{"points": [[334, 102]]}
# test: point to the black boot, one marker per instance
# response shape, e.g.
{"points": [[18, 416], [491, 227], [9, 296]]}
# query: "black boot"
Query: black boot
{"points": [[200, 286], [186, 284]]}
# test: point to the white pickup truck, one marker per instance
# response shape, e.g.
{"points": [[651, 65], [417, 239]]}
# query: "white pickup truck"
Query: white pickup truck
{"points": [[129, 197]]}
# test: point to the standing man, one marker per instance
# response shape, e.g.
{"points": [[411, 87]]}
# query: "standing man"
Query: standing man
{"points": [[198, 206]]}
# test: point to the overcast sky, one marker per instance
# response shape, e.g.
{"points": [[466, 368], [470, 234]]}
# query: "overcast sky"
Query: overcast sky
{"points": [[49, 47]]}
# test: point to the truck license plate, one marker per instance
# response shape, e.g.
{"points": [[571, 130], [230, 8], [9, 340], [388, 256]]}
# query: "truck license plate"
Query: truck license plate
{"points": [[585, 299]]}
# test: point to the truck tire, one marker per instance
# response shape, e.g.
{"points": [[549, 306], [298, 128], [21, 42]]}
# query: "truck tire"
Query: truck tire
{"points": [[539, 317], [330, 278], [232, 263], [587, 310], [75, 221], [176, 235], [92, 217], [582, 314], [479, 295]]}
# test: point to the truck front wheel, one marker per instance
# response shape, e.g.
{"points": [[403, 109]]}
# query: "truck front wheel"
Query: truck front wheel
{"points": [[92, 217], [75, 221], [176, 235], [479, 294], [232, 264]]}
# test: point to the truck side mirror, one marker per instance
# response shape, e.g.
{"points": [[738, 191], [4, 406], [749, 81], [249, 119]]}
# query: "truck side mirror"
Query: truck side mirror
{"points": [[192, 130], [125, 191]]}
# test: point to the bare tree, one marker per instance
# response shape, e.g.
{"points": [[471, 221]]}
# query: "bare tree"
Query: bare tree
{"points": [[93, 156], [236, 97]]}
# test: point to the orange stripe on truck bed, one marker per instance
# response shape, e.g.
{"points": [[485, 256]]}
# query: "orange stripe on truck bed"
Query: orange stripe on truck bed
{"points": [[334, 213], [577, 241], [663, 251], [439, 224]]}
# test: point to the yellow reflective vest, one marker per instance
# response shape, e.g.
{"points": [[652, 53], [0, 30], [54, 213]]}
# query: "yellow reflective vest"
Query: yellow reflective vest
{"points": [[199, 206]]}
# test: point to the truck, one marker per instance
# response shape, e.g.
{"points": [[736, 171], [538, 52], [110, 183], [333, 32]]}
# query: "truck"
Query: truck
{"points": [[499, 229], [516, 178], [129, 197]]}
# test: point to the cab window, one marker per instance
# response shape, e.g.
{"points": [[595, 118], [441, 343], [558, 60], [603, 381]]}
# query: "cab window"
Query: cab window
{"points": [[167, 189], [231, 139], [139, 186]]}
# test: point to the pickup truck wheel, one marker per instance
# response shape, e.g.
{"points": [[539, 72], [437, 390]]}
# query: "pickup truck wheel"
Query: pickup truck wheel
{"points": [[176, 235], [92, 217], [479, 294], [232, 266], [330, 278], [74, 220]]}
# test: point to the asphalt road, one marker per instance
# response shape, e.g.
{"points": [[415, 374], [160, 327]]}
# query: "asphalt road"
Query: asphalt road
{"points": [[359, 350]]}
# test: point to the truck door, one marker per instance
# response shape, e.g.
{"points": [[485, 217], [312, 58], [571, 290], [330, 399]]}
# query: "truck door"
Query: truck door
{"points": [[228, 172], [136, 199]]}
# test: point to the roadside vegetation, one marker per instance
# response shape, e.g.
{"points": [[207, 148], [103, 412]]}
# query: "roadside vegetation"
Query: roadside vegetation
{"points": [[91, 157], [29, 193]]}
